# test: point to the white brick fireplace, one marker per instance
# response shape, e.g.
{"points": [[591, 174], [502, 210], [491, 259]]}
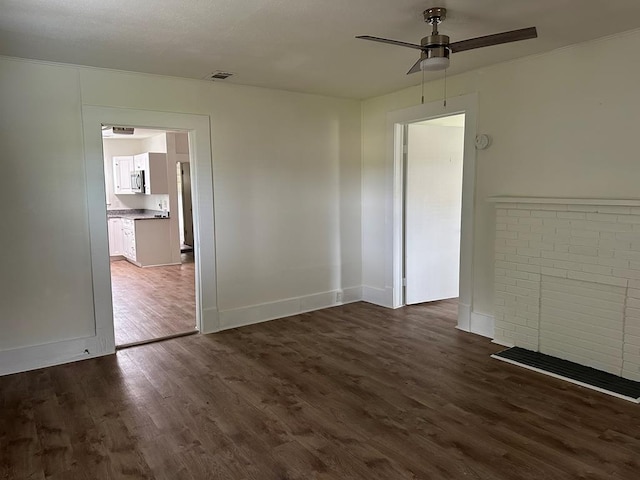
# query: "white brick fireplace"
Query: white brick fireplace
{"points": [[567, 280]]}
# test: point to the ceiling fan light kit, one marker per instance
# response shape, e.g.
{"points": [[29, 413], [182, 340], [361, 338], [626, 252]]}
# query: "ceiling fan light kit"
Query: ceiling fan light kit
{"points": [[432, 64], [436, 48]]}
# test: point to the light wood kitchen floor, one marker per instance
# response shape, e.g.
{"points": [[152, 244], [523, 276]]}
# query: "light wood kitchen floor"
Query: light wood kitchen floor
{"points": [[153, 302]]}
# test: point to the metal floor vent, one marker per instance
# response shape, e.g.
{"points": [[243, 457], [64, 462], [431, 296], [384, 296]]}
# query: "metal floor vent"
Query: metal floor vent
{"points": [[575, 373]]}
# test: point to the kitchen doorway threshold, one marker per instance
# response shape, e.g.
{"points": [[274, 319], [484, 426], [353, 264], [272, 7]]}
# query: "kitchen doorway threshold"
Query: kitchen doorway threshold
{"points": [[156, 340]]}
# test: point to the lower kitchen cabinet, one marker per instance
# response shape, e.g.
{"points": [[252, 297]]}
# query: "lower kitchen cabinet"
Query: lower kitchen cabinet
{"points": [[115, 237], [147, 242], [129, 239]]}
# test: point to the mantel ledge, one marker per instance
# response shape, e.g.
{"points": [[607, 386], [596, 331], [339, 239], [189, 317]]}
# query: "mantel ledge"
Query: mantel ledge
{"points": [[622, 202]]}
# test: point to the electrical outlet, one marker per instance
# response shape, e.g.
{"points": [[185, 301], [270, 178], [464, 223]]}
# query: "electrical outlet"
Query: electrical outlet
{"points": [[338, 296]]}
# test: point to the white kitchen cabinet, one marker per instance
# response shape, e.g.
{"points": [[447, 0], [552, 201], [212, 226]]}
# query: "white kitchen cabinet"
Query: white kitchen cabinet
{"points": [[156, 177], [128, 239], [122, 168], [115, 237], [147, 242]]}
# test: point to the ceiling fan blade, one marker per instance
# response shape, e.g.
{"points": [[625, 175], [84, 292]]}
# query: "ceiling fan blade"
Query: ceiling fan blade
{"points": [[495, 39], [391, 42], [416, 67]]}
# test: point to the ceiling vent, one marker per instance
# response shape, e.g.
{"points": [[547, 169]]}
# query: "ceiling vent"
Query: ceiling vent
{"points": [[110, 131], [218, 75], [122, 130]]}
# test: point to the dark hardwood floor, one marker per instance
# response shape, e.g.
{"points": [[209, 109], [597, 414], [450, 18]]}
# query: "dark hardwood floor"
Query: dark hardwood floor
{"points": [[153, 302], [352, 392]]}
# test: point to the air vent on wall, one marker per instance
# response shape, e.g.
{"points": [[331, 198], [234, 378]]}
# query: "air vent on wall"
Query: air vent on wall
{"points": [[218, 75], [122, 130], [111, 131]]}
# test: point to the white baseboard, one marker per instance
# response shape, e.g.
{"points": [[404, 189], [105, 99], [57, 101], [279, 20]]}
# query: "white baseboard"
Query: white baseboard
{"points": [[30, 358], [482, 324], [210, 320], [474, 322], [263, 312], [39, 356], [464, 317], [378, 296], [352, 294]]}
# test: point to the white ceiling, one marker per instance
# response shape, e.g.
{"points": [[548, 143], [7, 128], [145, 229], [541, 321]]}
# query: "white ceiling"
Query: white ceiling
{"points": [[300, 45]]}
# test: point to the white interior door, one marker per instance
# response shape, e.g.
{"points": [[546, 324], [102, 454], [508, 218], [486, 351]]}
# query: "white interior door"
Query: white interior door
{"points": [[433, 205]]}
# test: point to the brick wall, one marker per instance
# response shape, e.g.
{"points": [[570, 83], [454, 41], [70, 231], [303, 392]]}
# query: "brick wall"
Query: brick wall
{"points": [[567, 280]]}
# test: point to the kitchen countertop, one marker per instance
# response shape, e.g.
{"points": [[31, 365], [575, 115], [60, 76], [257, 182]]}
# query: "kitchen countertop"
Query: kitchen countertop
{"points": [[136, 214]]}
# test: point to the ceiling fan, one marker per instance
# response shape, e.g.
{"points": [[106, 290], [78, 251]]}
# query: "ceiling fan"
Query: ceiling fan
{"points": [[435, 48]]}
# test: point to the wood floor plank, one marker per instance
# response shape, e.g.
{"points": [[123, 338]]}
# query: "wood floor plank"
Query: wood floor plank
{"points": [[352, 392], [152, 302]]}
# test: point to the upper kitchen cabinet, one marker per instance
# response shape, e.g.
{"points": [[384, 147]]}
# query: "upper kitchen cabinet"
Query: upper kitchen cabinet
{"points": [[122, 168], [154, 166]]}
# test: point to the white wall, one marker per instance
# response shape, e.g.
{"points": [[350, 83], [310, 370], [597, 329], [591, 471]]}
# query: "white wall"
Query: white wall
{"points": [[563, 124], [46, 293], [286, 179], [287, 168]]}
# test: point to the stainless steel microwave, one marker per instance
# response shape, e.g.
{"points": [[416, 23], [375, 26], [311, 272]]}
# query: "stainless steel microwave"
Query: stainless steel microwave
{"points": [[137, 181]]}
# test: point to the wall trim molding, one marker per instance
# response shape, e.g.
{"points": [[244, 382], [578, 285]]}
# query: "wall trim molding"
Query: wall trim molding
{"points": [[482, 324], [352, 294], [199, 129], [49, 354], [378, 296], [564, 201], [57, 353], [263, 312], [474, 322], [464, 317]]}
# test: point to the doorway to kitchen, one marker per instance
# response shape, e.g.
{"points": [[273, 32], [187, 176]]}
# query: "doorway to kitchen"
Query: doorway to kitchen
{"points": [[152, 276]]}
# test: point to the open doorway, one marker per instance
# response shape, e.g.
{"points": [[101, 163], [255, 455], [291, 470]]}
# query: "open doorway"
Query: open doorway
{"points": [[152, 279], [433, 168], [396, 127]]}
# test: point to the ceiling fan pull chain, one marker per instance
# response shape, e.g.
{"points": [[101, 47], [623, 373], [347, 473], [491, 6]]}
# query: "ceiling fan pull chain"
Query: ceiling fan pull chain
{"points": [[422, 87], [445, 88]]}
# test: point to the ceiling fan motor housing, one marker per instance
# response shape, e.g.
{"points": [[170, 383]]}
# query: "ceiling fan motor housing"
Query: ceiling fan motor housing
{"points": [[436, 46]]}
